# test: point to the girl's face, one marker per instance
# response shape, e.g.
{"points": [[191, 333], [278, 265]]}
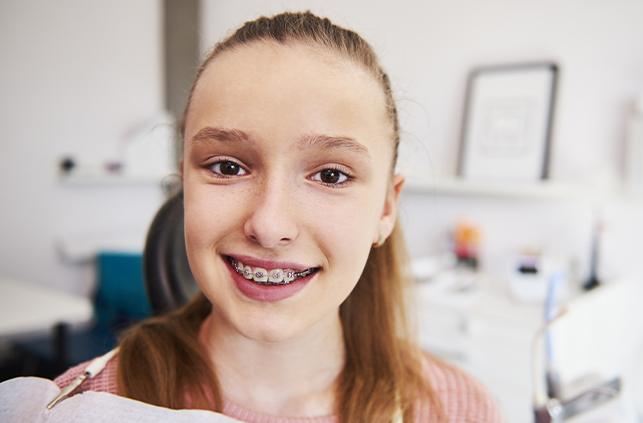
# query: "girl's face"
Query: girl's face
{"points": [[288, 152]]}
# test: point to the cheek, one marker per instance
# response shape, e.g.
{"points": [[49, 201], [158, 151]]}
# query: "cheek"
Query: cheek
{"points": [[208, 220], [344, 230], [207, 215]]}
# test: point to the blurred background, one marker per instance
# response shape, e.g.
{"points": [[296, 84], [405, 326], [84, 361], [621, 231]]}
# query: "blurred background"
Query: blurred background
{"points": [[90, 92]]}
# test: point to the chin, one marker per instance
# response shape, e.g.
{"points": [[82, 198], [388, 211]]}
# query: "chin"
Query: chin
{"points": [[269, 328]]}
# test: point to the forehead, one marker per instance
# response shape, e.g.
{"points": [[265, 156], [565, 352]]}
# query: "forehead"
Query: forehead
{"points": [[288, 89]]}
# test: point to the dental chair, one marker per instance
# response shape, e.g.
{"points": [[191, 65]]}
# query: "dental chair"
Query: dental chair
{"points": [[593, 337], [168, 279]]}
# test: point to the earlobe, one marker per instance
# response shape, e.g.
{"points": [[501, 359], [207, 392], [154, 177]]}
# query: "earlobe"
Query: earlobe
{"points": [[379, 241]]}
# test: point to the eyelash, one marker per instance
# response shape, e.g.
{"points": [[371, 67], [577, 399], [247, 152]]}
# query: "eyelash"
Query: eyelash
{"points": [[211, 165], [348, 178]]}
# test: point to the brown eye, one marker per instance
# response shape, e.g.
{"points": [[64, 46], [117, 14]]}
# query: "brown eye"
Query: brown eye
{"points": [[228, 168], [331, 176]]}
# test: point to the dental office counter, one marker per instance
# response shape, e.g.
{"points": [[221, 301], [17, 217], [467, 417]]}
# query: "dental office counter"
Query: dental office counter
{"points": [[27, 309], [486, 332]]}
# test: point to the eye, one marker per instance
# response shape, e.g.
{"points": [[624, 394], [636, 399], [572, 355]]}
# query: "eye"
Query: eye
{"points": [[227, 168], [331, 177]]}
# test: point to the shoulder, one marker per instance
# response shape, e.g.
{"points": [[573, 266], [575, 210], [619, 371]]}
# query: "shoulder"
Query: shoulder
{"points": [[463, 398], [105, 381]]}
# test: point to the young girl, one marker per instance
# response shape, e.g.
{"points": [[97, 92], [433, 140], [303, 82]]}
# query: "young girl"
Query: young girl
{"points": [[290, 140]]}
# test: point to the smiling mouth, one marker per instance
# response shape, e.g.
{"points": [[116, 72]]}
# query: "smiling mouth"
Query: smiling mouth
{"points": [[269, 276]]}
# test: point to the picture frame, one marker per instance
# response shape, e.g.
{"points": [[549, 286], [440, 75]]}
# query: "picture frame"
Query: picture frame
{"points": [[507, 123]]}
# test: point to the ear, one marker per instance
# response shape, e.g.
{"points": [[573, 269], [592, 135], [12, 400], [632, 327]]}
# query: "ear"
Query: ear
{"points": [[389, 212], [181, 169]]}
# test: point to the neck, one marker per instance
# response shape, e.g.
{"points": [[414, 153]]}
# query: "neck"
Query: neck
{"points": [[291, 377]]}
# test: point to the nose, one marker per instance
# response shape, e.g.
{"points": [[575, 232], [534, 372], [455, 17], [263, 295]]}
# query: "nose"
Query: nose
{"points": [[270, 222]]}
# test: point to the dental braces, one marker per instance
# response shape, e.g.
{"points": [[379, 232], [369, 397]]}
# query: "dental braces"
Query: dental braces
{"points": [[286, 278]]}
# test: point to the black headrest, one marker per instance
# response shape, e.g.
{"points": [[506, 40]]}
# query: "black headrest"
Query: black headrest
{"points": [[168, 279]]}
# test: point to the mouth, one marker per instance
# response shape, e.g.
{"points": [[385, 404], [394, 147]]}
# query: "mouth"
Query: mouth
{"points": [[270, 276]]}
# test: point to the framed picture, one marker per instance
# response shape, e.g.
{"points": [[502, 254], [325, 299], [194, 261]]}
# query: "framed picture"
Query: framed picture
{"points": [[506, 131]]}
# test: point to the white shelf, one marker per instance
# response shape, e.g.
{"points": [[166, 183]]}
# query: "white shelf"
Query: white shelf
{"points": [[106, 179], [545, 190]]}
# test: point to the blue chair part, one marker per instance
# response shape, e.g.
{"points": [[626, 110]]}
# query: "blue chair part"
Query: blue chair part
{"points": [[120, 299]]}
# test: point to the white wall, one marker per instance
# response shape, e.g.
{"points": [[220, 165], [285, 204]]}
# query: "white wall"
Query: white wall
{"points": [[428, 47], [76, 77]]}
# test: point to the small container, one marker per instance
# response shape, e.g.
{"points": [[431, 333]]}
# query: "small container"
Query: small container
{"points": [[529, 276]]}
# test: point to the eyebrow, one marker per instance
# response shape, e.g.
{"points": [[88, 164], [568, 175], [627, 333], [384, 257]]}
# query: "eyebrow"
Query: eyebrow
{"points": [[329, 143], [210, 133], [325, 142]]}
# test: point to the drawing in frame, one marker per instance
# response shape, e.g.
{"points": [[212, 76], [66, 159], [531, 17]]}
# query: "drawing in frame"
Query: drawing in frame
{"points": [[507, 125]]}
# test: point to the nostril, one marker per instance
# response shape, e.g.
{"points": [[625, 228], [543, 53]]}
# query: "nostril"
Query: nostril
{"points": [[270, 232]]}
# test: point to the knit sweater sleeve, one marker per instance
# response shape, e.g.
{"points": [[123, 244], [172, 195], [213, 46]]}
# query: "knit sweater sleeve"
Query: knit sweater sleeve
{"points": [[462, 397]]}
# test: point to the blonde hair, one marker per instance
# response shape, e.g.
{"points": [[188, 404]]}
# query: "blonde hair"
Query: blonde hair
{"points": [[161, 359]]}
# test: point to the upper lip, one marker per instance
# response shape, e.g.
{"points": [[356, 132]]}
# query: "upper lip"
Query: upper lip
{"points": [[269, 264]]}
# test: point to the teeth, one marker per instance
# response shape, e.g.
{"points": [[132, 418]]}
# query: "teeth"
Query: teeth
{"points": [[260, 275], [274, 276], [289, 276], [247, 272], [238, 266]]}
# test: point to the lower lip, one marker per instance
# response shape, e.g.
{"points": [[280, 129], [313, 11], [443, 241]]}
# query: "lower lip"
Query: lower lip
{"points": [[268, 293]]}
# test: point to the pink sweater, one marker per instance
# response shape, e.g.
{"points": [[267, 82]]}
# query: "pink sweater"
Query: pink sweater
{"points": [[462, 397]]}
